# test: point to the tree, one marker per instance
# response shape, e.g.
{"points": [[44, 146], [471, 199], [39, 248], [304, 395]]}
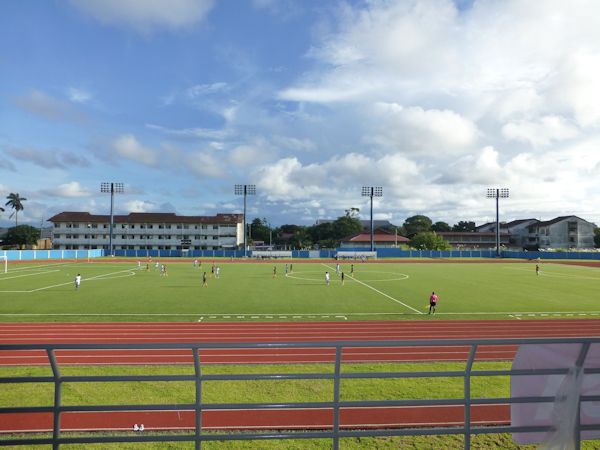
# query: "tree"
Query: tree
{"points": [[429, 241], [346, 226], [463, 225], [440, 226], [417, 224], [22, 235], [352, 212], [260, 230], [15, 201]]}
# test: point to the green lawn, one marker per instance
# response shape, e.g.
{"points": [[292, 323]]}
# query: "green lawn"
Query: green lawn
{"points": [[112, 291]]}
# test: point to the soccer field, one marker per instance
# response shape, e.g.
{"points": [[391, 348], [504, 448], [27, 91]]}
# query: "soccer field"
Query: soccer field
{"points": [[124, 291]]}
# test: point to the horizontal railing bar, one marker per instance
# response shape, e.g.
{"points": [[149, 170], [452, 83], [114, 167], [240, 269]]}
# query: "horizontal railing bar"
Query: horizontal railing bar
{"points": [[320, 344]]}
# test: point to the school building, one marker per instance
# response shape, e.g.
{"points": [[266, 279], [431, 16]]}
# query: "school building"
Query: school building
{"points": [[147, 231]]}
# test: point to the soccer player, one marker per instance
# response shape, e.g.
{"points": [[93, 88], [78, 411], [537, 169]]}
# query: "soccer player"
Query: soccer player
{"points": [[537, 269], [291, 268], [274, 271], [77, 281], [286, 269], [352, 269], [337, 269], [327, 279], [342, 274], [217, 271], [433, 299], [204, 282]]}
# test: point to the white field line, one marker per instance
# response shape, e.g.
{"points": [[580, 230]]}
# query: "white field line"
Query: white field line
{"points": [[97, 277], [544, 273], [312, 315], [38, 266], [29, 274], [378, 291]]}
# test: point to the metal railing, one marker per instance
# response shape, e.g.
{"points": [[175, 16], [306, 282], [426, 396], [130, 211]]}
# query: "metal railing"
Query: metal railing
{"points": [[336, 405]]}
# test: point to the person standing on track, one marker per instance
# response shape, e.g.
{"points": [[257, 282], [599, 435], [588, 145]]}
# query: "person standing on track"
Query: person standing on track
{"points": [[433, 299]]}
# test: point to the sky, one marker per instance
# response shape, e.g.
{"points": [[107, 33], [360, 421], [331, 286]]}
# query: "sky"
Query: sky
{"points": [[310, 100]]}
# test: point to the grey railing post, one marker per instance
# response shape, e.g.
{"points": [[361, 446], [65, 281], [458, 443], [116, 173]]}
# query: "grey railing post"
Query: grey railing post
{"points": [[467, 394], [585, 346], [57, 396], [336, 397], [197, 409]]}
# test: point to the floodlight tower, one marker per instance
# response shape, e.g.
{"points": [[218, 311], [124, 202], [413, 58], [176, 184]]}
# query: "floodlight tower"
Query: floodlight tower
{"points": [[112, 188], [497, 194], [372, 191], [245, 190]]}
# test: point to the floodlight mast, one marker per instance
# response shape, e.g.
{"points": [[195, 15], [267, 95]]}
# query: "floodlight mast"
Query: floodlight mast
{"points": [[245, 190], [112, 188], [497, 193], [372, 191]]}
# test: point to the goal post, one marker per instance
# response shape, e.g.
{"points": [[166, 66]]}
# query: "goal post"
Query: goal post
{"points": [[3, 264]]}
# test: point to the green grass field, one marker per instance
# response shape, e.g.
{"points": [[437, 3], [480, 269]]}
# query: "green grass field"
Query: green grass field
{"points": [[122, 291]]}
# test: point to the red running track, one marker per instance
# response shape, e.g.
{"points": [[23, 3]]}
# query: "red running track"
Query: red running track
{"points": [[228, 332]]}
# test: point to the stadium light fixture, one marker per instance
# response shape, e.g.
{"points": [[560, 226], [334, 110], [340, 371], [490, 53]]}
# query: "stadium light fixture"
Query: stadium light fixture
{"points": [[497, 193], [245, 190], [112, 189], [372, 191]]}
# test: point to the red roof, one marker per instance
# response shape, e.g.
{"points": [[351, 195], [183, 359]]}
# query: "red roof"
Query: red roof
{"points": [[377, 237]]}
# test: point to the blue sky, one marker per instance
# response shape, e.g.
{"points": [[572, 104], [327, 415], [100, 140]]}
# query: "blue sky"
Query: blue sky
{"points": [[433, 100]]}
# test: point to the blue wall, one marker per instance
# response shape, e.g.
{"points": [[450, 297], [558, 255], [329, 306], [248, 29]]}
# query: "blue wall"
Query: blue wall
{"points": [[27, 255]]}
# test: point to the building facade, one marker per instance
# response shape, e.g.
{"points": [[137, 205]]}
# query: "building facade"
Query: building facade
{"points": [[565, 232], [147, 231]]}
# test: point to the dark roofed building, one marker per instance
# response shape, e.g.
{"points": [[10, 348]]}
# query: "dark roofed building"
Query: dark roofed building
{"points": [[151, 231], [381, 239]]}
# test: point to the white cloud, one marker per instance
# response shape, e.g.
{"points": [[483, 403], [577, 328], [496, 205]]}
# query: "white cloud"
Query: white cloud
{"points": [[205, 164], [146, 15], [140, 206], [201, 90], [77, 95], [44, 105], [127, 146], [70, 190], [543, 131], [414, 128]]}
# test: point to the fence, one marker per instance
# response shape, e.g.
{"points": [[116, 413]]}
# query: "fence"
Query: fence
{"points": [[26, 255], [336, 431]]}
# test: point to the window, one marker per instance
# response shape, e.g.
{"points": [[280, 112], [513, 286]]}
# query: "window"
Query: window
{"points": [[185, 227], [168, 227], [150, 226], [215, 238], [204, 227], [57, 225], [179, 227], [94, 225], [75, 225], [160, 227], [215, 227]]}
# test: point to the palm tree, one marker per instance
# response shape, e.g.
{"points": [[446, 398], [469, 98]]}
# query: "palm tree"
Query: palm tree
{"points": [[15, 201]]}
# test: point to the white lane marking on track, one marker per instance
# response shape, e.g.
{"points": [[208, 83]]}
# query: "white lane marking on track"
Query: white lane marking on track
{"points": [[378, 291]]}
